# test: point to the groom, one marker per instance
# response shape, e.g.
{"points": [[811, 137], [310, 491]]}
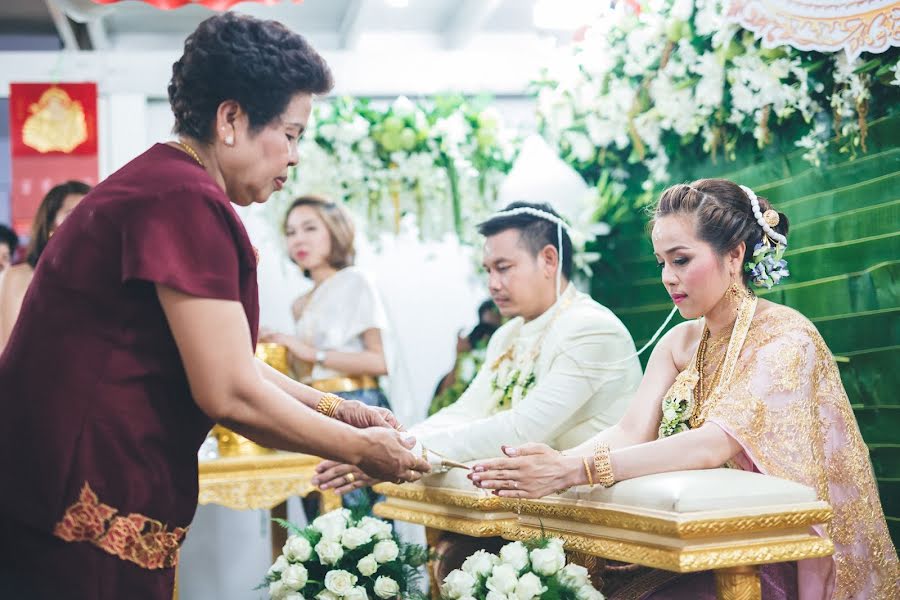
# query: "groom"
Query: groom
{"points": [[554, 373]]}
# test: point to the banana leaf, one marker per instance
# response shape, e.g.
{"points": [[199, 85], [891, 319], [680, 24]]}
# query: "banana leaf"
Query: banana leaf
{"points": [[833, 201], [861, 169], [871, 379], [861, 331], [889, 490]]}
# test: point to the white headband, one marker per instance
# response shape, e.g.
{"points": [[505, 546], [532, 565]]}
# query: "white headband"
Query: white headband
{"points": [[761, 218], [560, 225]]}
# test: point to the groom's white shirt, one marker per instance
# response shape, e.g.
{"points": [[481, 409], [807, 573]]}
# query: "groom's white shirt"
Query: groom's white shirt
{"points": [[577, 391]]}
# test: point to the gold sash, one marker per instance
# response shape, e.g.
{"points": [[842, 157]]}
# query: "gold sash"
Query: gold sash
{"points": [[347, 383]]}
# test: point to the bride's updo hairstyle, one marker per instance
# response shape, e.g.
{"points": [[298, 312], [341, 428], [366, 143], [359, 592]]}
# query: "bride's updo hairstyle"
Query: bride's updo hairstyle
{"points": [[723, 213]]}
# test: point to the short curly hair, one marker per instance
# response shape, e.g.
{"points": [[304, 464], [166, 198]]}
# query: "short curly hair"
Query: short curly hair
{"points": [[259, 64]]}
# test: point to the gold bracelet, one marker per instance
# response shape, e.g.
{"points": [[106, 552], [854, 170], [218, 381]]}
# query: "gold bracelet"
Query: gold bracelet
{"points": [[328, 404], [603, 466], [587, 469]]}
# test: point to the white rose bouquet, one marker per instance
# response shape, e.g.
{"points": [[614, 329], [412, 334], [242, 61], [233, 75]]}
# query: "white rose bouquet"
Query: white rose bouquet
{"points": [[343, 554], [533, 571]]}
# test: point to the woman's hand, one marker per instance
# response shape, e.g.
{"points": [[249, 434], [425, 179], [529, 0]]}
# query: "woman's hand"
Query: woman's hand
{"points": [[530, 471], [302, 351], [340, 477], [388, 456], [360, 415]]}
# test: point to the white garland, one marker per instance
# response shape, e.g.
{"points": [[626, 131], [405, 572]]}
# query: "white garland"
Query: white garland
{"points": [[640, 87]]}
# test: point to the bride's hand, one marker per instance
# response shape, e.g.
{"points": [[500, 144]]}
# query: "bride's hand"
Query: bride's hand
{"points": [[360, 415], [529, 471]]}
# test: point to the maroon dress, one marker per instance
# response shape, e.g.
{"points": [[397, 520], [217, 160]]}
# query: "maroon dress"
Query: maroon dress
{"points": [[98, 430]]}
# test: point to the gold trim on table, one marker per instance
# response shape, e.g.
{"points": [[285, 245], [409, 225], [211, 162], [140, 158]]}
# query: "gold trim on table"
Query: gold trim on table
{"points": [[813, 513], [481, 501], [704, 557], [731, 542], [468, 513], [251, 482], [475, 527]]}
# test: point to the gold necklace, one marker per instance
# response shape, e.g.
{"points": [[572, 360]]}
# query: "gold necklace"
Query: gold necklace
{"points": [[191, 152], [701, 390]]}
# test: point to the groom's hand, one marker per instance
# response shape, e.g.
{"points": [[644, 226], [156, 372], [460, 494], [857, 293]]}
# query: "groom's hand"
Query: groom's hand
{"points": [[362, 416], [342, 478]]}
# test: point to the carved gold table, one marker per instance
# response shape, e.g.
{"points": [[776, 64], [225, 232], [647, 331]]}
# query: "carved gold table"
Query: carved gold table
{"points": [[264, 481], [724, 520]]}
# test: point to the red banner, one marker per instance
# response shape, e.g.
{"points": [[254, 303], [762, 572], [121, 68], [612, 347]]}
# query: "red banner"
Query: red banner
{"points": [[53, 138], [219, 5]]}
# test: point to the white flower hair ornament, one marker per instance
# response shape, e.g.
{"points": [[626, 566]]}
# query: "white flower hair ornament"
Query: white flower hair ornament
{"points": [[767, 266]]}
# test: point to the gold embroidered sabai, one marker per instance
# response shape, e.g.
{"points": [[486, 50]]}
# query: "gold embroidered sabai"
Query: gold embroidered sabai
{"points": [[780, 396]]}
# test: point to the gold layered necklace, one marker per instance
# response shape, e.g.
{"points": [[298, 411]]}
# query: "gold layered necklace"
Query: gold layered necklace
{"points": [[704, 387], [190, 152]]}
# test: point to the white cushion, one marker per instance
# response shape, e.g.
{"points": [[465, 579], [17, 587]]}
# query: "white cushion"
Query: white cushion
{"points": [[697, 491]]}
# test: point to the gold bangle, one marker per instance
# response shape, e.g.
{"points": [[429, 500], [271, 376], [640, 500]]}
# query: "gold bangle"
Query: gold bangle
{"points": [[603, 466], [587, 469], [328, 404]]}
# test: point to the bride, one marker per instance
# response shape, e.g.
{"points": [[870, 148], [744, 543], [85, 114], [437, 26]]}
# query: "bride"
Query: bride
{"points": [[746, 383]]}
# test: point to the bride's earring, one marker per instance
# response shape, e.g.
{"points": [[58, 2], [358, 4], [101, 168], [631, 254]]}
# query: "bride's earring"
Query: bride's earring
{"points": [[735, 293]]}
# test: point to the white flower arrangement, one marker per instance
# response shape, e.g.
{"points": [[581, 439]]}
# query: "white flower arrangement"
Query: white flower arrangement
{"points": [[439, 162], [521, 572], [344, 556], [673, 78]]}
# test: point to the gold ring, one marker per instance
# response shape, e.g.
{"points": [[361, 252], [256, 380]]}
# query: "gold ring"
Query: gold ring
{"points": [[351, 477]]}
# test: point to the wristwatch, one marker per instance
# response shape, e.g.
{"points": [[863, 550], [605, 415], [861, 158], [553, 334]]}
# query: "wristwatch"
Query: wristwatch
{"points": [[320, 357]]}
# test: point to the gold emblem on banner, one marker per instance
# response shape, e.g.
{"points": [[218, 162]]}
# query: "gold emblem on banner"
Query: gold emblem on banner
{"points": [[57, 123]]}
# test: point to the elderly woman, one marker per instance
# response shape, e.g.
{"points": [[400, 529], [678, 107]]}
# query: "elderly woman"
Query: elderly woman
{"points": [[747, 383], [145, 307]]}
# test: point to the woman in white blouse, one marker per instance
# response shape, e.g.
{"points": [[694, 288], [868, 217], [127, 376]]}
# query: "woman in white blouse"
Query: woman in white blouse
{"points": [[337, 344]]}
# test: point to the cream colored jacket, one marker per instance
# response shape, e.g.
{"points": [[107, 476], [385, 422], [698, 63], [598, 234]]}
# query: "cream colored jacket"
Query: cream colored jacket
{"points": [[577, 392]]}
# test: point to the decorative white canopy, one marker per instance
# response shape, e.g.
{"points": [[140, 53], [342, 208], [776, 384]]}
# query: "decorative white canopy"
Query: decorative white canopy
{"points": [[825, 25]]}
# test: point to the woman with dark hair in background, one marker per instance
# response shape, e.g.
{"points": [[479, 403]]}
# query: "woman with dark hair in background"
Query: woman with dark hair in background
{"points": [[145, 306], [59, 202], [9, 242]]}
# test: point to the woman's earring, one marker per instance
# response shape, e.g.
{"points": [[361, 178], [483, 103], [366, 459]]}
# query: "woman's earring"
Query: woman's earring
{"points": [[229, 140], [736, 292]]}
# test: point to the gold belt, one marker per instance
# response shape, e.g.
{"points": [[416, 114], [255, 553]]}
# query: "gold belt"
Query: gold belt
{"points": [[335, 385]]}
